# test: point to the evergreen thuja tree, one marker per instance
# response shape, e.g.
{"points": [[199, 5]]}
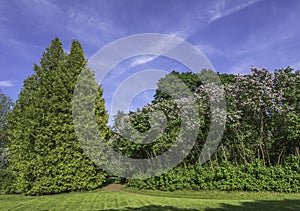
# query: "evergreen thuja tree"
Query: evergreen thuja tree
{"points": [[46, 157]]}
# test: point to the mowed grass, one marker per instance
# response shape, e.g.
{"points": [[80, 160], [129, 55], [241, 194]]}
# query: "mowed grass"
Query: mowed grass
{"points": [[223, 195], [188, 201]]}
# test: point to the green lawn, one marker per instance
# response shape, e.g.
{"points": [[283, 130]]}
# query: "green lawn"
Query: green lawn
{"points": [[224, 195], [110, 200]]}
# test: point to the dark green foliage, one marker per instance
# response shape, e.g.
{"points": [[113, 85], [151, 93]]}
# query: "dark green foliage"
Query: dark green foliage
{"points": [[6, 178], [5, 107], [7, 181], [140, 123], [46, 157], [166, 85], [228, 177]]}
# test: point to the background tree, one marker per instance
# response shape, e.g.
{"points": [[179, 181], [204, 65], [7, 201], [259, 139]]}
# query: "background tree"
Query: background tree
{"points": [[262, 117], [5, 107], [286, 124], [260, 146], [6, 178]]}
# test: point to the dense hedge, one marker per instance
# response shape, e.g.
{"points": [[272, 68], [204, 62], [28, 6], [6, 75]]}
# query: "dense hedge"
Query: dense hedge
{"points": [[6, 181], [228, 177]]}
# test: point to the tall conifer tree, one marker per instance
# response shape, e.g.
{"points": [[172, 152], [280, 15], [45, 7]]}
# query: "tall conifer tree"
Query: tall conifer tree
{"points": [[45, 154]]}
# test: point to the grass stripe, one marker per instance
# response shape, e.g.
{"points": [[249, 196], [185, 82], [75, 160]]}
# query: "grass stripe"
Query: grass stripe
{"points": [[112, 201]]}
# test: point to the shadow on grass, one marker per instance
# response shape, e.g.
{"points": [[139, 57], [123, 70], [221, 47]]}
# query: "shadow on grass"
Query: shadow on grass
{"points": [[261, 205], [256, 205], [153, 208]]}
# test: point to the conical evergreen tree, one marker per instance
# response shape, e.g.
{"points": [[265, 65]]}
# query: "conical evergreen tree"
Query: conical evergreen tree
{"points": [[46, 156]]}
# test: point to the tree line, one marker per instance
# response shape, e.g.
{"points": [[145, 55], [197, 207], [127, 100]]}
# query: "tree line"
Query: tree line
{"points": [[263, 117], [261, 136]]}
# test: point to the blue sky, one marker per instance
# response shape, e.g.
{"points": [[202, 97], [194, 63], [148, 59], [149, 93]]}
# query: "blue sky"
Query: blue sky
{"points": [[233, 34]]}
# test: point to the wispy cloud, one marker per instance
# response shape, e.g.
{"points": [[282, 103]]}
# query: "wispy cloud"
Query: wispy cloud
{"points": [[85, 17], [181, 34], [6, 83], [221, 9], [90, 25], [142, 60], [210, 50], [206, 12], [164, 45]]}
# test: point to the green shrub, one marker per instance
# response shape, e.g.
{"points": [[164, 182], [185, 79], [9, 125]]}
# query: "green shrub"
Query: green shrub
{"points": [[6, 181], [227, 177]]}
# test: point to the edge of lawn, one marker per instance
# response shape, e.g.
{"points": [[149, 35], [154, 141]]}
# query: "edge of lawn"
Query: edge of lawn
{"points": [[216, 194]]}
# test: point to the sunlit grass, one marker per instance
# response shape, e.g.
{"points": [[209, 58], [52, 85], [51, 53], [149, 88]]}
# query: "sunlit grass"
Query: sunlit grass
{"points": [[213, 194], [112, 200]]}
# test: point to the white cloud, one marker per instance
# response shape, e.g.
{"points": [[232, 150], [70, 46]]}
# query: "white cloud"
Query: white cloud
{"points": [[220, 10], [181, 34], [6, 83], [76, 21], [42, 8], [207, 12], [86, 18], [142, 60], [164, 45]]}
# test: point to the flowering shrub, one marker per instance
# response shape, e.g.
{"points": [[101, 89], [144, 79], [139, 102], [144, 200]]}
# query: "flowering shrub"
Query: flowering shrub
{"points": [[262, 131]]}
